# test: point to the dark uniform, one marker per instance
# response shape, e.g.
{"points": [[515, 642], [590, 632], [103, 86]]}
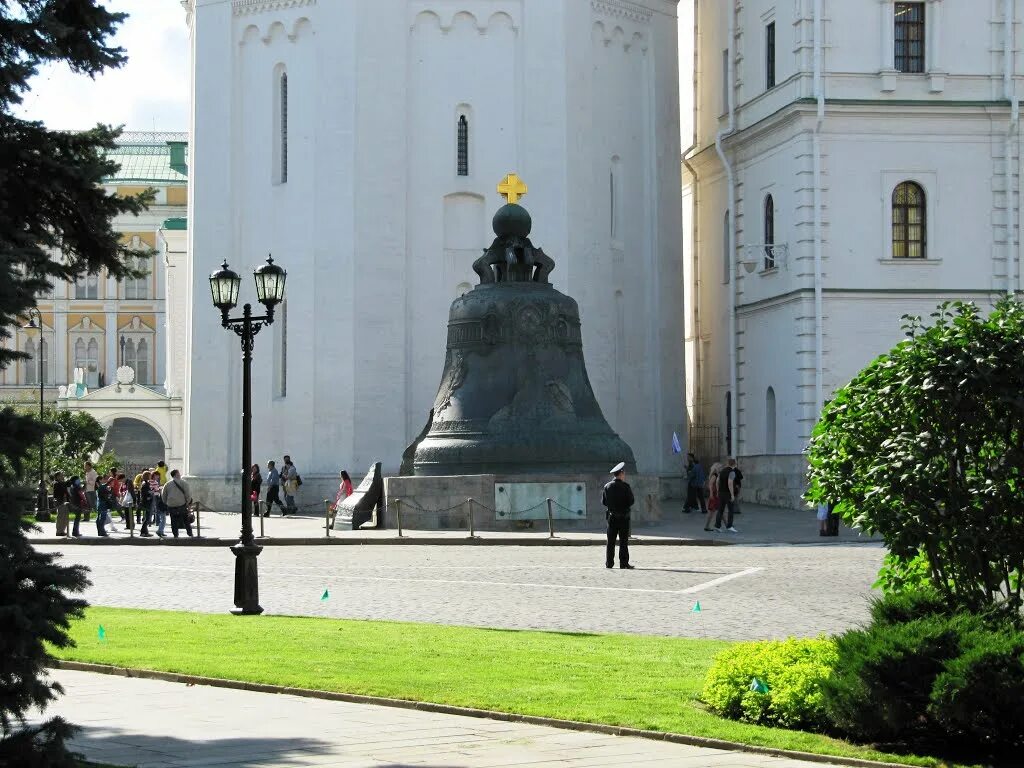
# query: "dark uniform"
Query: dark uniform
{"points": [[618, 498]]}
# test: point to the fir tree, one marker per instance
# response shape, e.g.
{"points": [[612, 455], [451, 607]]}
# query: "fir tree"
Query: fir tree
{"points": [[55, 225]]}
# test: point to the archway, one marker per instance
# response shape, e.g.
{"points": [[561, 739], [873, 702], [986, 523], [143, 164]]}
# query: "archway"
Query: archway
{"points": [[137, 445]]}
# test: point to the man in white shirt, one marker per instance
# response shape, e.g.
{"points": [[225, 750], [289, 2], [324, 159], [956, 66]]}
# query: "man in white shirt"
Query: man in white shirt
{"points": [[90, 488], [177, 496]]}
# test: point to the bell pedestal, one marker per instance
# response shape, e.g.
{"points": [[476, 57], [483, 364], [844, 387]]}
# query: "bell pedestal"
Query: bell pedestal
{"points": [[441, 502]]}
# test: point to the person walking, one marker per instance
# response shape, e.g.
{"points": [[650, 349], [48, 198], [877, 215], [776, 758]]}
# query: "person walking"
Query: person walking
{"points": [[713, 498], [90, 488], [695, 481], [102, 507], [145, 503], [290, 482], [176, 496], [79, 503], [273, 489], [62, 500], [617, 498], [159, 508], [255, 481], [727, 496]]}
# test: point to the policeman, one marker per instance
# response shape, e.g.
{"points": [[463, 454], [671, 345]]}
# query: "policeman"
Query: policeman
{"points": [[618, 498]]}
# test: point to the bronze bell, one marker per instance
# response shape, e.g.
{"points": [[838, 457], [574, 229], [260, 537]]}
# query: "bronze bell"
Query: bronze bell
{"points": [[515, 397]]}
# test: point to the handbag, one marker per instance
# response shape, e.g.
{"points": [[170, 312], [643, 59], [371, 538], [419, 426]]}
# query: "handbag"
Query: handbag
{"points": [[713, 504]]}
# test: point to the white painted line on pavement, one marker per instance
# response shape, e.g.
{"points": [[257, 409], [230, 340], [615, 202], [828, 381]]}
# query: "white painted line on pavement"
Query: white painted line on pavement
{"points": [[719, 580], [537, 585]]}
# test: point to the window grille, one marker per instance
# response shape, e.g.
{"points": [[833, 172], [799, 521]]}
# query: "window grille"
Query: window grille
{"points": [[284, 127], [769, 56], [910, 31], [769, 232], [909, 222], [463, 146]]}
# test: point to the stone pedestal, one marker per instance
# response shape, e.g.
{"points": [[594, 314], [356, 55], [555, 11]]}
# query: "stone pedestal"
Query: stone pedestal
{"points": [[438, 503]]}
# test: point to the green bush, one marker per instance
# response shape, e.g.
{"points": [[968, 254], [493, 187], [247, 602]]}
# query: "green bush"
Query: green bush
{"points": [[926, 677], [979, 698], [883, 679], [792, 671]]}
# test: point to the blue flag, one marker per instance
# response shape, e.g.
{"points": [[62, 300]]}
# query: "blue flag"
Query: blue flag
{"points": [[676, 447]]}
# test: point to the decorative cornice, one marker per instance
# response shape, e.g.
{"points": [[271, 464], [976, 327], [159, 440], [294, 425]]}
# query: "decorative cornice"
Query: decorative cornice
{"points": [[623, 9], [250, 7]]}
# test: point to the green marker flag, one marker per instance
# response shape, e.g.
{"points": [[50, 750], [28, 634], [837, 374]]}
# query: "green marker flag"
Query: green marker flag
{"points": [[101, 633], [325, 595], [758, 686], [696, 607]]}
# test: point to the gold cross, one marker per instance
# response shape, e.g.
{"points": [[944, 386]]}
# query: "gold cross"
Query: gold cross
{"points": [[512, 188]]}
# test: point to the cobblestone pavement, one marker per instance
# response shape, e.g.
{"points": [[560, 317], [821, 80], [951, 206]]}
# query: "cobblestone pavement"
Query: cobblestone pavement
{"points": [[192, 726], [745, 592]]}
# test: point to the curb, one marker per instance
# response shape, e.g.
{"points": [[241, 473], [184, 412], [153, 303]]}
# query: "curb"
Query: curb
{"points": [[445, 709], [393, 541]]}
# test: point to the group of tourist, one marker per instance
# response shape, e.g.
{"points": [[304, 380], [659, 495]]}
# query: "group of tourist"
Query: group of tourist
{"points": [[284, 481], [150, 498], [716, 494]]}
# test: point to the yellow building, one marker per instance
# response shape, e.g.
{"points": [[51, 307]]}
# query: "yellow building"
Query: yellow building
{"points": [[99, 324]]}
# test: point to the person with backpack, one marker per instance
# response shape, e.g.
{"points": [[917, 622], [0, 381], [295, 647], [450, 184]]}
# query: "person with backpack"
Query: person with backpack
{"points": [[695, 481], [145, 502], [290, 482], [176, 496], [727, 493]]}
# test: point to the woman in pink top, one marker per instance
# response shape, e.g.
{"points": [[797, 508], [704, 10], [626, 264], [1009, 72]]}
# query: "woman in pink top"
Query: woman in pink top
{"points": [[344, 491]]}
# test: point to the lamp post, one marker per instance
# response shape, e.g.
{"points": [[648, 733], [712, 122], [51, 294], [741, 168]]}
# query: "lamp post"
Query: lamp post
{"points": [[122, 349], [41, 507], [224, 285]]}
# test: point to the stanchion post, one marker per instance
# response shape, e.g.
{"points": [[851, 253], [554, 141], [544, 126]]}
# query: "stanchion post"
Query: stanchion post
{"points": [[327, 518], [551, 521], [199, 520], [259, 511], [130, 517], [398, 516], [472, 528]]}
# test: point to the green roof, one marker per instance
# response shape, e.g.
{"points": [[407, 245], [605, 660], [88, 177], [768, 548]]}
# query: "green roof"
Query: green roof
{"points": [[145, 158]]}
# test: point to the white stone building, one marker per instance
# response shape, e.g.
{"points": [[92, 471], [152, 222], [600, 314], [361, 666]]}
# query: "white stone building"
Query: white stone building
{"points": [[361, 143], [874, 147], [99, 324]]}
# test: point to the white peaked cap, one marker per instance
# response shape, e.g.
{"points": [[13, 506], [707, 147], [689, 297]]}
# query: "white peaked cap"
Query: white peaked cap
{"points": [[618, 468]]}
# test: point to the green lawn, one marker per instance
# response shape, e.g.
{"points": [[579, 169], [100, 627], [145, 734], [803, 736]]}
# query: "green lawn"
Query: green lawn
{"points": [[639, 682]]}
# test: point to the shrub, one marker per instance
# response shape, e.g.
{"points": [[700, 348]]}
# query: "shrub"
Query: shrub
{"points": [[925, 447], [792, 671], [979, 698], [883, 678]]}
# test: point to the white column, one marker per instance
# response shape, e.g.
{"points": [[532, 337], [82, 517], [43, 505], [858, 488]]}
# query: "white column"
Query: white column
{"points": [[110, 364], [888, 35], [933, 30], [59, 357]]}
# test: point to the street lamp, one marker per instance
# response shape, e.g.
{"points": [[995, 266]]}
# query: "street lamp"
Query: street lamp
{"points": [[224, 285], [41, 506]]}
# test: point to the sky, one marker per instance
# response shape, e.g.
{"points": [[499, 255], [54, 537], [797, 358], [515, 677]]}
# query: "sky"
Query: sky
{"points": [[150, 92]]}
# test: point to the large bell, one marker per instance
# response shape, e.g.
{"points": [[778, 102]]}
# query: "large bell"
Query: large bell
{"points": [[514, 396]]}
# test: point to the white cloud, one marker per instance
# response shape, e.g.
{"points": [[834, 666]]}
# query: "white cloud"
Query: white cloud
{"points": [[149, 92]]}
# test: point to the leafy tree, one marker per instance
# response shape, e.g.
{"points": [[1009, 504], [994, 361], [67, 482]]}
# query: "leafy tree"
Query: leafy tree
{"points": [[55, 224], [926, 448], [72, 437]]}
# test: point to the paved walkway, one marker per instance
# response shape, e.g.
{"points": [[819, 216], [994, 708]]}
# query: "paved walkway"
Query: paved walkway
{"points": [[757, 525], [153, 724]]}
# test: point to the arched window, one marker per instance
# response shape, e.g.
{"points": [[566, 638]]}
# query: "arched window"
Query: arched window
{"points": [[80, 359], [284, 126], [726, 250], [31, 365], [909, 222], [87, 287], [128, 356], [769, 232], [614, 198], [769, 422], [142, 362], [463, 146], [138, 288], [92, 364]]}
